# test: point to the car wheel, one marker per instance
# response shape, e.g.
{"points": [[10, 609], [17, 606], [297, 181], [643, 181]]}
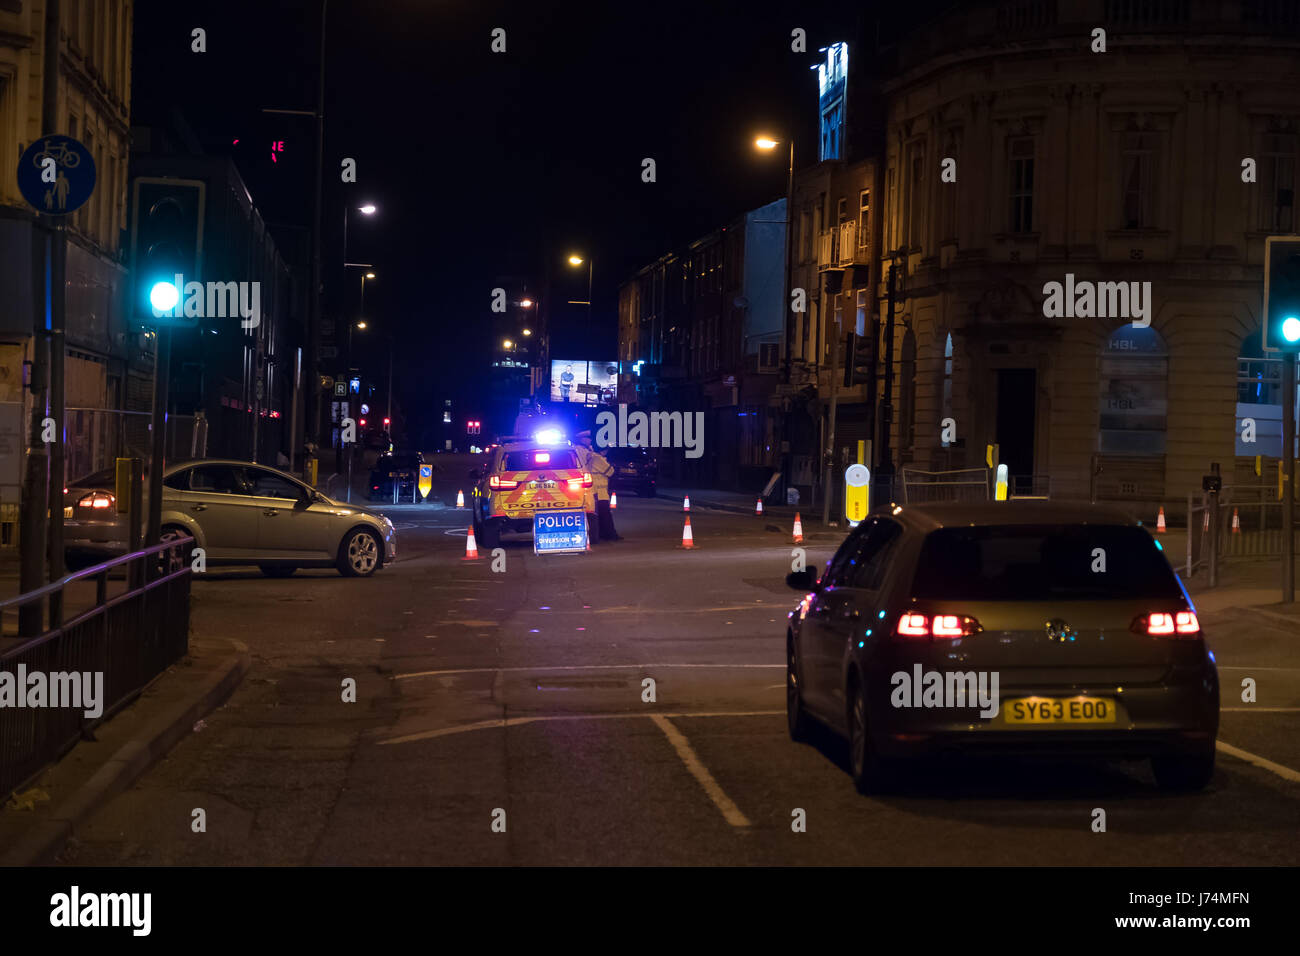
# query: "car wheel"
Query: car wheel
{"points": [[797, 720], [489, 535], [1184, 772], [277, 570], [359, 553], [870, 774]]}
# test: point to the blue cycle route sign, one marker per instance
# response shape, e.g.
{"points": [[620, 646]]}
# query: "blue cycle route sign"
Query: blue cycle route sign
{"points": [[559, 532], [56, 175]]}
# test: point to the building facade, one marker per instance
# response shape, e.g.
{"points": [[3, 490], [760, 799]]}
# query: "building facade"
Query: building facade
{"points": [[1144, 180]]}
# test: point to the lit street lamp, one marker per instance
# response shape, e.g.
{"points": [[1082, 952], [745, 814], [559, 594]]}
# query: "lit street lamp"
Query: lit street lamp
{"points": [[767, 144]]}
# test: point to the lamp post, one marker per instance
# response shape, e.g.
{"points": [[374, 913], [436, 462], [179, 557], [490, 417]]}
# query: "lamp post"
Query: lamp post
{"points": [[768, 143], [575, 261]]}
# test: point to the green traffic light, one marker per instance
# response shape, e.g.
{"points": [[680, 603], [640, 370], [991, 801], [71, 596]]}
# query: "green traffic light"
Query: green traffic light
{"points": [[1291, 329], [163, 296]]}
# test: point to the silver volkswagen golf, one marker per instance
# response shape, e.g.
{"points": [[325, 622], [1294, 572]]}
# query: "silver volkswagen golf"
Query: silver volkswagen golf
{"points": [[239, 512]]}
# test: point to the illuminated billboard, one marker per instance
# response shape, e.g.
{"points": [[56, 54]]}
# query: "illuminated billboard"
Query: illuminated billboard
{"points": [[586, 383]]}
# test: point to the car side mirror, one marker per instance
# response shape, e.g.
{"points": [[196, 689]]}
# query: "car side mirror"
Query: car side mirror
{"points": [[805, 580]]}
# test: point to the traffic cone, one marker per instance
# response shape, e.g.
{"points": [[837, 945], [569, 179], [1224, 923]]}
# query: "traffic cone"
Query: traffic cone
{"points": [[471, 546], [1160, 521], [1236, 522], [798, 529], [758, 507], [688, 541], [460, 499], [613, 500], [686, 503]]}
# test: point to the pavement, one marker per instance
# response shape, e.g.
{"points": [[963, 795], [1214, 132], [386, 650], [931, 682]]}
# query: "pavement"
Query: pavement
{"points": [[623, 707]]}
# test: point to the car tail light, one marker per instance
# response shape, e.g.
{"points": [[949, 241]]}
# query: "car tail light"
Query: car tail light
{"points": [[577, 484], [542, 458], [944, 626], [502, 484], [97, 499], [1168, 624]]}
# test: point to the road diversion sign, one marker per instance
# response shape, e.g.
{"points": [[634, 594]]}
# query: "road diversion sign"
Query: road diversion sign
{"points": [[426, 480], [559, 532], [56, 175]]}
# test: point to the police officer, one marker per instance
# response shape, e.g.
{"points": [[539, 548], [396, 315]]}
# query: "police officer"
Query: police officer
{"points": [[601, 471]]}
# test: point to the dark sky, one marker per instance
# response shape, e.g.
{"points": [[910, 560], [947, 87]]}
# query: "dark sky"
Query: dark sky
{"points": [[487, 164]]}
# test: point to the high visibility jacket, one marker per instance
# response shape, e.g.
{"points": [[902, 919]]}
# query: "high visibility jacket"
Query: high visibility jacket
{"points": [[601, 471]]}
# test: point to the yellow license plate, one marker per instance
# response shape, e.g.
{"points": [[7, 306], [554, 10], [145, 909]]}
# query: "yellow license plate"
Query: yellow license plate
{"points": [[1059, 710]]}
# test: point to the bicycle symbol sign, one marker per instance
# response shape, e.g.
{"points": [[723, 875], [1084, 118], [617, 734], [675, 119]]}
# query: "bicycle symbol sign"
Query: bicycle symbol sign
{"points": [[59, 187]]}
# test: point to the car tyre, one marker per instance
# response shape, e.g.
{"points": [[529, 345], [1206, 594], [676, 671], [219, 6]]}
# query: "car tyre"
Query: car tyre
{"points": [[1184, 772], [277, 570], [870, 772], [796, 717], [359, 554]]}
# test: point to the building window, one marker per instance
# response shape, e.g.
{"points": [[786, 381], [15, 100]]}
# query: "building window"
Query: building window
{"points": [[1134, 403], [1020, 158], [864, 218], [1137, 165], [913, 200], [805, 235], [1259, 397], [1277, 183], [842, 210], [947, 383], [860, 326]]}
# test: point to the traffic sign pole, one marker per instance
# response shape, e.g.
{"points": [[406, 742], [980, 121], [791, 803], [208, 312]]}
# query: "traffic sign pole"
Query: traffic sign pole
{"points": [[58, 406], [1288, 469]]}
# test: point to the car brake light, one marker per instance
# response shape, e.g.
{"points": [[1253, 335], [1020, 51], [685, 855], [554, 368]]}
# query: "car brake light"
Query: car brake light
{"points": [[941, 625], [496, 481], [1163, 624], [542, 458], [97, 499]]}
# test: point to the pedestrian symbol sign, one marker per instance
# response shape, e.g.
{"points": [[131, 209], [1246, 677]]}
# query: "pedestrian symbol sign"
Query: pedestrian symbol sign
{"points": [[56, 175]]}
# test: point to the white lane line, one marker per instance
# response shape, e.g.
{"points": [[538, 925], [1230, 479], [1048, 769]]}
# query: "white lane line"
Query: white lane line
{"points": [[1286, 773], [571, 667], [543, 718], [730, 812]]}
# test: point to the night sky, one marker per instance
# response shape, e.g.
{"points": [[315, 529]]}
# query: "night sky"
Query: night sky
{"points": [[488, 164]]}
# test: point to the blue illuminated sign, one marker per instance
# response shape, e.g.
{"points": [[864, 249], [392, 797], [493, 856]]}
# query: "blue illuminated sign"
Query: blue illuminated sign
{"points": [[559, 532]]}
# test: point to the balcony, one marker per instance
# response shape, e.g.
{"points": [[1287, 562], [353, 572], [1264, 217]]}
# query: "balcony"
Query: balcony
{"points": [[837, 248]]}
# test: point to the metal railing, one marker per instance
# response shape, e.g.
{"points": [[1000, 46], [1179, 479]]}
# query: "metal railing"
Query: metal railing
{"points": [[1248, 526], [124, 640], [962, 484]]}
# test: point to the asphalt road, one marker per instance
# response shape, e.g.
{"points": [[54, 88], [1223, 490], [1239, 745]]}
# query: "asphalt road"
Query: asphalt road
{"points": [[517, 697]]}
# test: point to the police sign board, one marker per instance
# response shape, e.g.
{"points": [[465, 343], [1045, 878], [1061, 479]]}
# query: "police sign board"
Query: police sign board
{"points": [[559, 532], [56, 175]]}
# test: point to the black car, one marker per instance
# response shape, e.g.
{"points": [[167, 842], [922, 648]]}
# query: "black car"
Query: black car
{"points": [[399, 468], [1025, 628], [634, 470]]}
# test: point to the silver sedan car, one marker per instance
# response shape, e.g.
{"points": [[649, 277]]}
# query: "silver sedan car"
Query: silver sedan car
{"points": [[238, 512]]}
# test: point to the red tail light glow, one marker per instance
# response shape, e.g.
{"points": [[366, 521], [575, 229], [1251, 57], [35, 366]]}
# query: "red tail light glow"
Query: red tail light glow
{"points": [[1164, 624], [945, 626], [542, 458], [502, 484], [97, 499]]}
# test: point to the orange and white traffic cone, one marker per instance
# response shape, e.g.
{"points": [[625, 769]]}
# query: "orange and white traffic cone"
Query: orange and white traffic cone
{"points": [[1160, 521], [798, 529], [1236, 522], [686, 503], [471, 546], [613, 500], [460, 499], [758, 507], [688, 541]]}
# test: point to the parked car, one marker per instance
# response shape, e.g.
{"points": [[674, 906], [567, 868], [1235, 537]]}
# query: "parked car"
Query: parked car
{"points": [[401, 468], [524, 477], [239, 512], [634, 470], [1084, 638]]}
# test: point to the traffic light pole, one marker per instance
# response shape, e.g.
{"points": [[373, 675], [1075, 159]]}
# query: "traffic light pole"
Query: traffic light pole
{"points": [[58, 405], [1288, 475], [162, 367]]}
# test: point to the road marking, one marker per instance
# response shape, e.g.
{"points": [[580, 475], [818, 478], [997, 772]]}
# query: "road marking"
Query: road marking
{"points": [[567, 667], [542, 718], [730, 812], [1286, 773]]}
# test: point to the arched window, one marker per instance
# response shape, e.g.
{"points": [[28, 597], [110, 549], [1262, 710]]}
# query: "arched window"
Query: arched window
{"points": [[1134, 399]]}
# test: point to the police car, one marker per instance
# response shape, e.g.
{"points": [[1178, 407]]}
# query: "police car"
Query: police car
{"points": [[524, 476]]}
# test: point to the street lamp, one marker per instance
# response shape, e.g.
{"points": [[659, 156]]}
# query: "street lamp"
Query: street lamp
{"points": [[767, 144], [576, 260]]}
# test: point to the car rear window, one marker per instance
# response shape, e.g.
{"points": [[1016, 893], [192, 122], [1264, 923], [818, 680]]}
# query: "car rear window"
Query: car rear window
{"points": [[1042, 562], [531, 460]]}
